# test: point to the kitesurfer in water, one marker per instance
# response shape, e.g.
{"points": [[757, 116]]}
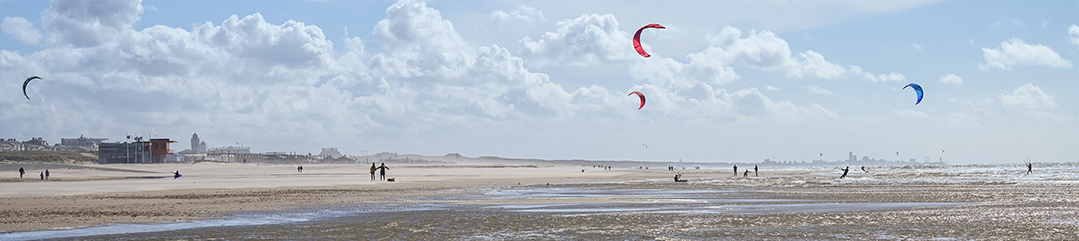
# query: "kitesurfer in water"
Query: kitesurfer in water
{"points": [[845, 172], [865, 170], [176, 174]]}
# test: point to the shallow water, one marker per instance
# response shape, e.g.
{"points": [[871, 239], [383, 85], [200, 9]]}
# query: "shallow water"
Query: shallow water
{"points": [[984, 202]]}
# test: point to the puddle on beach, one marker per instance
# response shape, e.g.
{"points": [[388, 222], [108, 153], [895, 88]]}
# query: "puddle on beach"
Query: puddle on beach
{"points": [[432, 210]]}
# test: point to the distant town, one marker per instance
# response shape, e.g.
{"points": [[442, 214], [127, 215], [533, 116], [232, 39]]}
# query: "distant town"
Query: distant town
{"points": [[157, 150]]}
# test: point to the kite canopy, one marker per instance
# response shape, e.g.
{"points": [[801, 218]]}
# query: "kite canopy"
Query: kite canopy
{"points": [[27, 82], [917, 88], [639, 94], [637, 39]]}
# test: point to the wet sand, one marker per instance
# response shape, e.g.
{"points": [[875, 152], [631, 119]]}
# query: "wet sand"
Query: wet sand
{"points": [[485, 202]]}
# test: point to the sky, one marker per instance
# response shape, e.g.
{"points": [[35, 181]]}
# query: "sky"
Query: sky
{"points": [[728, 81]]}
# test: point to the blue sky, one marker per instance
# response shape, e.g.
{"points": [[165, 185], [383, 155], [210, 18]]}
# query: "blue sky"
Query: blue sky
{"points": [[729, 81]]}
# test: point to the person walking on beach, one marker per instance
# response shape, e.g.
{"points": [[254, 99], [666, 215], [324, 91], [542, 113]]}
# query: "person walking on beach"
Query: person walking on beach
{"points": [[21, 172], [755, 171], [42, 175], [299, 169], [845, 172], [373, 168], [1030, 168], [736, 170], [382, 171], [46, 174]]}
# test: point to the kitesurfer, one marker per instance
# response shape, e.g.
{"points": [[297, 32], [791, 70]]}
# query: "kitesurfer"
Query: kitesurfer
{"points": [[845, 172]]}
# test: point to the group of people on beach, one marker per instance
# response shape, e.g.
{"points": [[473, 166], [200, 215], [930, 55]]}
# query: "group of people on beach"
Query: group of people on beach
{"points": [[44, 174]]}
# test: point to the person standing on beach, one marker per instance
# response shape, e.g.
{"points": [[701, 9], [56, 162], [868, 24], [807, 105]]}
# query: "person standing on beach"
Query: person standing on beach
{"points": [[382, 171], [755, 171], [845, 172], [42, 175], [21, 172], [373, 168], [46, 174], [736, 170], [1030, 168], [299, 169]]}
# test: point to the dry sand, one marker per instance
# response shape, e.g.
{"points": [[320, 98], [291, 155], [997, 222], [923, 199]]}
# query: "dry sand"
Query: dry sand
{"points": [[91, 195]]}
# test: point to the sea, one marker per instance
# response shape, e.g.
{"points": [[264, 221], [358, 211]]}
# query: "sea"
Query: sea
{"points": [[912, 202]]}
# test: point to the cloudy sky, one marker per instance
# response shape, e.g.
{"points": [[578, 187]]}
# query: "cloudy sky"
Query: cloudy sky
{"points": [[728, 81]]}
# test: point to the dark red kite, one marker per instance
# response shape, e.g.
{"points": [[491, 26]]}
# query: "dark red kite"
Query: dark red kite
{"points": [[639, 94], [637, 40]]}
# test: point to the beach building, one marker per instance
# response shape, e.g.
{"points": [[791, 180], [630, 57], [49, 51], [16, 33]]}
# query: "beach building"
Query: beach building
{"points": [[154, 151]]}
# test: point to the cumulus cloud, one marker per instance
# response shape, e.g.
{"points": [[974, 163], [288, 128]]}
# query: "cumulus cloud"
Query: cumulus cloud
{"points": [[92, 23], [585, 40], [1028, 97], [813, 89], [756, 50], [1015, 52], [21, 29], [771, 88], [1073, 30], [522, 13], [951, 79]]}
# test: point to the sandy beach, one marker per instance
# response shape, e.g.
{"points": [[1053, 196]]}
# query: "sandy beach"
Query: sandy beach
{"points": [[90, 195], [544, 201]]}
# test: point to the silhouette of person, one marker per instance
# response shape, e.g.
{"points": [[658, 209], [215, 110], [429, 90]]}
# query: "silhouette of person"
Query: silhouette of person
{"points": [[746, 174], [755, 171], [382, 171], [21, 172], [46, 174], [845, 172], [1030, 168], [176, 174], [736, 170], [299, 169], [373, 168], [42, 175]]}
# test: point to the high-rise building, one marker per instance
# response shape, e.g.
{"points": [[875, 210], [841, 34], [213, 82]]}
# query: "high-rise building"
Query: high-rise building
{"points": [[195, 147]]}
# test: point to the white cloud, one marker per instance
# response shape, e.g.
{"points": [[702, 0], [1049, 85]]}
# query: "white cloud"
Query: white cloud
{"points": [[1028, 97], [758, 50], [771, 88], [1015, 52], [21, 29], [585, 40], [916, 46], [522, 13], [813, 89], [92, 23], [951, 79], [1073, 30]]}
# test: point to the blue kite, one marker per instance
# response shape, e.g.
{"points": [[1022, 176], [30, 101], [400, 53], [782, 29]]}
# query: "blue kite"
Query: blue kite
{"points": [[917, 88]]}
